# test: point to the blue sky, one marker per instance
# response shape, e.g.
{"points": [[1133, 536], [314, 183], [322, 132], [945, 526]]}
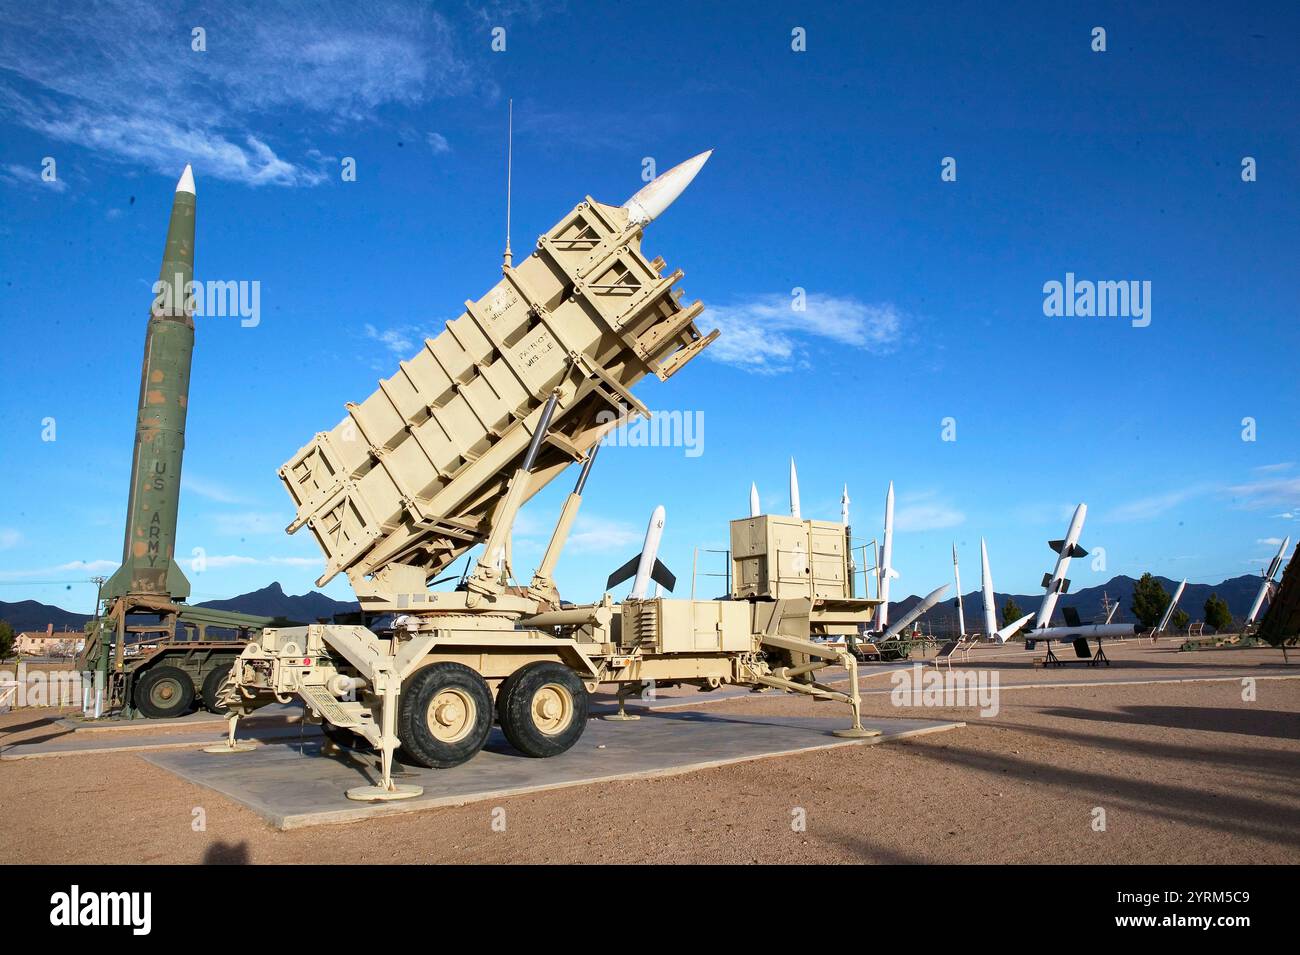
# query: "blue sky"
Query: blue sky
{"points": [[925, 297]]}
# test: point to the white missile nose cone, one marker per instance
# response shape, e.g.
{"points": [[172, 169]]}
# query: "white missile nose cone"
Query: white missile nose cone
{"points": [[657, 518], [186, 183], [661, 192]]}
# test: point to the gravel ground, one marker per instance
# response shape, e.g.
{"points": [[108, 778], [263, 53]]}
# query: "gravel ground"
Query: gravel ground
{"points": [[1185, 773]]}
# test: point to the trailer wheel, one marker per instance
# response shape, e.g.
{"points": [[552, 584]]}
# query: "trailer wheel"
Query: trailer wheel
{"points": [[212, 686], [444, 716], [164, 692], [545, 709]]}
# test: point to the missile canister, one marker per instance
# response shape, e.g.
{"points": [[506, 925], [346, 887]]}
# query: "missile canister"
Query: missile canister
{"points": [[413, 474], [148, 553]]}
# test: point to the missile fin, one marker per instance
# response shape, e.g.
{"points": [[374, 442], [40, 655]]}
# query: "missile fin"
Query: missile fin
{"points": [[663, 576], [626, 572], [1056, 545], [1077, 551]]}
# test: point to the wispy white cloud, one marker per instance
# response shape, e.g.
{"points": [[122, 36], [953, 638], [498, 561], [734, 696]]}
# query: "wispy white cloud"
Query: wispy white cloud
{"points": [[211, 490], [1275, 468], [1270, 541], [1154, 505], [926, 511], [1271, 492], [765, 334], [402, 340], [120, 77], [83, 567], [438, 143], [246, 523], [28, 176], [596, 535], [221, 561], [9, 537]]}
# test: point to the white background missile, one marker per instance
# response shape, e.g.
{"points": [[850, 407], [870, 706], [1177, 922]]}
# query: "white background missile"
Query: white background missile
{"points": [[1169, 611], [649, 553], [886, 571], [1267, 585], [932, 598], [844, 507], [754, 508], [794, 492], [660, 193], [956, 574], [986, 587], [1065, 550]]}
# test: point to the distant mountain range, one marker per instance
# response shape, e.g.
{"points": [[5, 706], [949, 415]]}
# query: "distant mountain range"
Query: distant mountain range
{"points": [[1237, 592], [272, 601]]}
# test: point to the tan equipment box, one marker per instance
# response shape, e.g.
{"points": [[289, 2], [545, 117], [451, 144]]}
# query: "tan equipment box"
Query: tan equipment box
{"points": [[686, 626], [784, 557]]}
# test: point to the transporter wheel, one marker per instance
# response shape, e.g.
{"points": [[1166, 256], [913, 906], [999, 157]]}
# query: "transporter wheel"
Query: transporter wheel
{"points": [[164, 692], [544, 709], [444, 716], [212, 686]]}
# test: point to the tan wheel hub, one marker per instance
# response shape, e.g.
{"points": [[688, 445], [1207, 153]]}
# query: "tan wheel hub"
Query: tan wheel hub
{"points": [[451, 715], [552, 709]]}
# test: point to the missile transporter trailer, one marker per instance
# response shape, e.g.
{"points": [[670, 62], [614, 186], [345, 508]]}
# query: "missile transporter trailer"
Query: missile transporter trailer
{"points": [[150, 651], [440, 459]]}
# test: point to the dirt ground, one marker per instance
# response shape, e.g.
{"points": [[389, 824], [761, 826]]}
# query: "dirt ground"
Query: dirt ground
{"points": [[1184, 772]]}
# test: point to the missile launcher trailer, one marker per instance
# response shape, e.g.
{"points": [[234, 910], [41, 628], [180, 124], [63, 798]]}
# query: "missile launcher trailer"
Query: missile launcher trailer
{"points": [[441, 457], [145, 596]]}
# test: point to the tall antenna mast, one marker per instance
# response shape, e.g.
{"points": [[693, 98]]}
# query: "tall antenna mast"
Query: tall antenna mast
{"points": [[510, 147]]}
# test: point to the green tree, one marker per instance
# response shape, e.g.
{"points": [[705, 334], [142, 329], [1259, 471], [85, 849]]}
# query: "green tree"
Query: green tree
{"points": [[1011, 612], [1217, 615], [6, 639], [1180, 619], [1150, 600]]}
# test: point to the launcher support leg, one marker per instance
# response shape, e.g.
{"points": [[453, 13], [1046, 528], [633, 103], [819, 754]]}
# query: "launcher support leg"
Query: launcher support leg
{"points": [[624, 690], [856, 731], [229, 746], [387, 790]]}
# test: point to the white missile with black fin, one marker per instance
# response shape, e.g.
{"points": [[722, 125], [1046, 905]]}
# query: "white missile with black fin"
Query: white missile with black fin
{"points": [[1056, 582], [930, 599], [844, 507], [1266, 588], [1169, 611], [661, 192], [646, 566], [886, 572]]}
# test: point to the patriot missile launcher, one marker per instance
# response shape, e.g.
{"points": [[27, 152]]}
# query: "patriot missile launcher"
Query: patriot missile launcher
{"points": [[144, 597], [439, 460]]}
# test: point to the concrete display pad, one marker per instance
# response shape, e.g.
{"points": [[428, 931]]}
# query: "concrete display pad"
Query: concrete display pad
{"points": [[85, 743], [198, 718], [294, 786]]}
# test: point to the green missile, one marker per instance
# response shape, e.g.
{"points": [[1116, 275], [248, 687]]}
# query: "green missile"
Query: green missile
{"points": [[149, 550]]}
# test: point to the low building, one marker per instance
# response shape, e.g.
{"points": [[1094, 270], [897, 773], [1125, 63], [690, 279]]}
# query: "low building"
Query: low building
{"points": [[49, 642]]}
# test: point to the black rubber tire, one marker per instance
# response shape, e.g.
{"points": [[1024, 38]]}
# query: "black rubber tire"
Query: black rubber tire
{"points": [[517, 718], [503, 692], [419, 745], [212, 685], [150, 688]]}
